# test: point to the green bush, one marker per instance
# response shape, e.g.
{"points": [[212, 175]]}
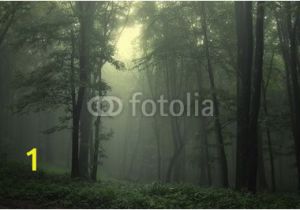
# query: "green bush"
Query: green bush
{"points": [[18, 183]]}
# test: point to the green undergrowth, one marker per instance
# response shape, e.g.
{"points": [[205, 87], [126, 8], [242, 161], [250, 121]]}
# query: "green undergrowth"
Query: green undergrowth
{"points": [[21, 188]]}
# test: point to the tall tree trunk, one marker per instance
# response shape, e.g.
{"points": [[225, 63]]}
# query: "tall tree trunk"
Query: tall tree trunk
{"points": [[173, 162], [243, 12], [153, 90], [86, 30], [86, 22], [157, 137], [97, 129], [96, 148], [221, 146], [205, 171], [255, 98], [85, 137], [262, 182], [268, 132], [126, 145], [287, 32], [170, 76], [75, 137], [205, 176], [179, 144], [136, 148], [75, 116], [295, 81]]}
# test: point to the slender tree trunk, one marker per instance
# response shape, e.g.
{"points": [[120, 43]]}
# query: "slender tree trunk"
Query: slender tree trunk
{"points": [[205, 176], [124, 160], [75, 137], [179, 144], [96, 149], [97, 129], [255, 99], [172, 163], [243, 12], [295, 83], [268, 132], [262, 182], [136, 149], [287, 35], [75, 116], [170, 82], [273, 182], [153, 90], [205, 158], [221, 146], [157, 137]]}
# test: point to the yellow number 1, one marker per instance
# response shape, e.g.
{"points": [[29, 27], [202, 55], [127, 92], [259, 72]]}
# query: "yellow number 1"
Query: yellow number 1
{"points": [[33, 160]]}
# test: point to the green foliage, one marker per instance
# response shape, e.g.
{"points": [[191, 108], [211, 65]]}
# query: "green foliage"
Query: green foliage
{"points": [[18, 183], [53, 37]]}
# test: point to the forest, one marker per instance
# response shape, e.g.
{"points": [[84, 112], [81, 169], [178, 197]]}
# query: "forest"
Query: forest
{"points": [[155, 104]]}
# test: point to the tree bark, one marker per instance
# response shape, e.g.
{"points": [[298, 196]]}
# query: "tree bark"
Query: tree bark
{"points": [[255, 98], [221, 146], [243, 11], [75, 116], [268, 132], [205, 176], [97, 129], [205, 171], [295, 83], [157, 137], [86, 10], [85, 136], [96, 149], [287, 32], [261, 181], [153, 90], [179, 144], [85, 20]]}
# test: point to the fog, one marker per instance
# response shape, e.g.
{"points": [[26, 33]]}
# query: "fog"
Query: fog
{"points": [[163, 52]]}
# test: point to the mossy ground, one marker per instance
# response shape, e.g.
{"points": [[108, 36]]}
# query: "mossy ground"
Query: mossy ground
{"points": [[20, 188]]}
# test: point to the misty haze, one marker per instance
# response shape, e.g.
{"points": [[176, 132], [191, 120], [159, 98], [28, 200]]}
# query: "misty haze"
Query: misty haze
{"points": [[127, 104]]}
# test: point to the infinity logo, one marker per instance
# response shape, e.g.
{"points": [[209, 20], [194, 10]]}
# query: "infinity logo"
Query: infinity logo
{"points": [[105, 106]]}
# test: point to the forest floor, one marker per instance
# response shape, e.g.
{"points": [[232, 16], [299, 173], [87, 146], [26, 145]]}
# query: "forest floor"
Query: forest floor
{"points": [[20, 188]]}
